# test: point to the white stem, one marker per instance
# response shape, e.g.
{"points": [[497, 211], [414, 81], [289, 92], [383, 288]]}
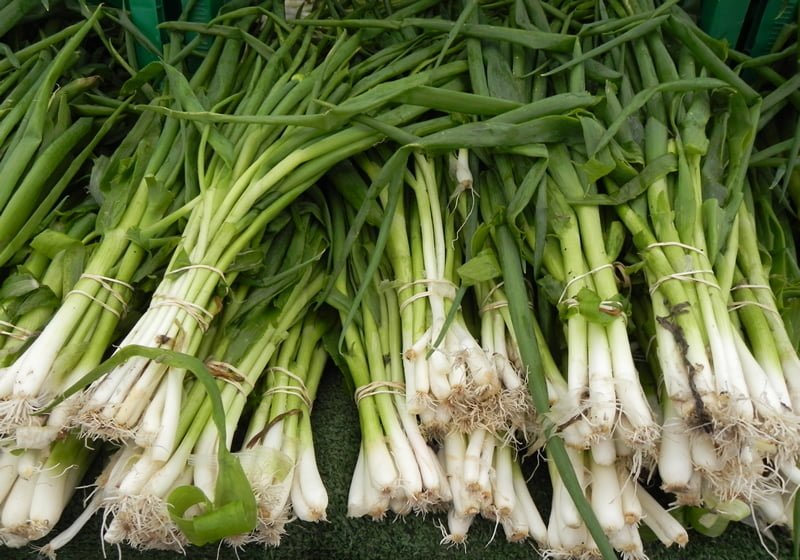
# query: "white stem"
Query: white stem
{"points": [[767, 401], [629, 389], [404, 459], [150, 426], [17, 507], [577, 360], [425, 457], [357, 496], [439, 366], [8, 471], [525, 503], [675, 457], [458, 526], [772, 509], [631, 507], [53, 489], [704, 454], [381, 467], [307, 487], [628, 541], [607, 498], [601, 382], [472, 459], [666, 528], [164, 443], [135, 477], [604, 451], [569, 513], [503, 489], [674, 365]]}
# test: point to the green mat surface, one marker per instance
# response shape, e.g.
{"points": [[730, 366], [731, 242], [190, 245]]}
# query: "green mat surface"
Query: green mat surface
{"points": [[337, 438]]}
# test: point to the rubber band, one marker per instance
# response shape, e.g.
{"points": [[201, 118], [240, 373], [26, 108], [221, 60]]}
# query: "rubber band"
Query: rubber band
{"points": [[201, 315], [379, 388], [491, 293], [291, 390], [751, 287], [739, 304], [289, 374], [570, 302], [300, 390], [102, 304], [492, 306], [107, 279], [684, 277], [203, 266], [408, 301], [106, 283], [581, 277], [433, 282], [674, 244], [218, 370]]}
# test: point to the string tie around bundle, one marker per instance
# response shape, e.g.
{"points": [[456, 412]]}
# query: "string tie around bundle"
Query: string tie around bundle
{"points": [[201, 315], [578, 278], [686, 276], [379, 388], [300, 390], [436, 286], [108, 284], [213, 269], [740, 304], [223, 370], [674, 244]]}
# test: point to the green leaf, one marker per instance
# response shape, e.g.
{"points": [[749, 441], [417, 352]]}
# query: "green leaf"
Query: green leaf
{"points": [[590, 306], [480, 268], [657, 169], [180, 500], [42, 297], [615, 239], [234, 511], [330, 341], [705, 522], [143, 76], [390, 177], [601, 162], [482, 233], [51, 242], [18, 284], [183, 92], [494, 134], [72, 266], [685, 201], [526, 191], [541, 212]]}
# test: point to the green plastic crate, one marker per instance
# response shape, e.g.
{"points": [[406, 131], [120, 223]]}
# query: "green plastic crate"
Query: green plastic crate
{"points": [[748, 25], [146, 15]]}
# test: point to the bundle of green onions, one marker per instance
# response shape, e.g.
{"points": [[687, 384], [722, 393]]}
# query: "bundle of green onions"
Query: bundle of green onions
{"points": [[152, 476]]}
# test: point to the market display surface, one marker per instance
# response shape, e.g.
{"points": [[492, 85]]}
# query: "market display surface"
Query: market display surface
{"points": [[506, 279]]}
